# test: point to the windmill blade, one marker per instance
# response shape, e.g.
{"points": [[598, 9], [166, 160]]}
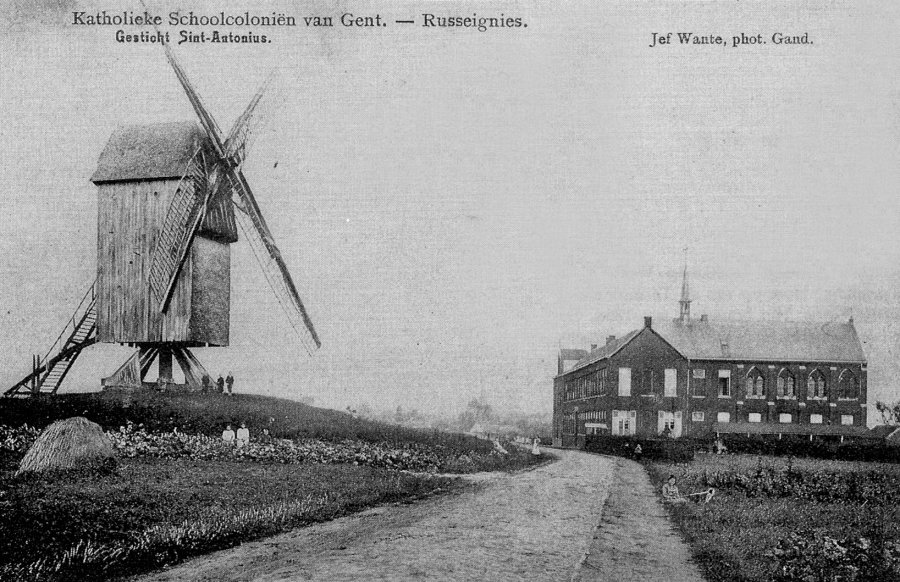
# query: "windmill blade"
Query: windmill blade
{"points": [[238, 141], [258, 235], [183, 218], [206, 119], [250, 219]]}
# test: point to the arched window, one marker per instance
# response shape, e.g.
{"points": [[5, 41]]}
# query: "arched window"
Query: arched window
{"points": [[815, 384], [756, 385], [848, 385], [785, 385]]}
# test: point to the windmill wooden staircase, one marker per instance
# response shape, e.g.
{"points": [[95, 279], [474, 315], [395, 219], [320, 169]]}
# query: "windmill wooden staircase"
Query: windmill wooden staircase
{"points": [[48, 372]]}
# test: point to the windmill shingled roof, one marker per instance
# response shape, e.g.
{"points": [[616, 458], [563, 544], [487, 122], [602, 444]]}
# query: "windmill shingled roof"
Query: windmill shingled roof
{"points": [[148, 152]]}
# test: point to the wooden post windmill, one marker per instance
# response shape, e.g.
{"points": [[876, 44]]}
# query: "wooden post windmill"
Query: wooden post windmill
{"points": [[170, 200]]}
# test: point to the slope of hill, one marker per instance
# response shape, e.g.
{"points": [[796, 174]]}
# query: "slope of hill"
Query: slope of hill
{"points": [[209, 413], [174, 495]]}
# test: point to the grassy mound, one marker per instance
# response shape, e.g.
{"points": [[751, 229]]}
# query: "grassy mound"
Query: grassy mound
{"points": [[73, 443], [209, 413]]}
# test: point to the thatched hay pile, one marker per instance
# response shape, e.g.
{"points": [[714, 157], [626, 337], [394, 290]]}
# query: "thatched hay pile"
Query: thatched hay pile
{"points": [[73, 443]]}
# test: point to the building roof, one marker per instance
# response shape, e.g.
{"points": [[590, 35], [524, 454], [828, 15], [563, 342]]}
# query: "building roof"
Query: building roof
{"points": [[764, 340], [606, 351], [571, 354], [801, 429], [775, 341], [148, 152], [885, 431]]}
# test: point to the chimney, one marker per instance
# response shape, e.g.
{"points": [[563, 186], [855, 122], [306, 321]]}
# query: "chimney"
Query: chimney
{"points": [[610, 339], [593, 347], [703, 318], [648, 321]]}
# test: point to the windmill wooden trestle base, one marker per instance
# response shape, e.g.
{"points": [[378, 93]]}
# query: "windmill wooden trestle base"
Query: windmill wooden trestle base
{"points": [[131, 374]]}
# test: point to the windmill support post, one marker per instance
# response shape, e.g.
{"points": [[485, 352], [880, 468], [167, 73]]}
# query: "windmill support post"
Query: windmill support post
{"points": [[131, 374]]}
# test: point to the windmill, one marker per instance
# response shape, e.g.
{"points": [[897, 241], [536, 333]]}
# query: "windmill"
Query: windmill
{"points": [[171, 198]]}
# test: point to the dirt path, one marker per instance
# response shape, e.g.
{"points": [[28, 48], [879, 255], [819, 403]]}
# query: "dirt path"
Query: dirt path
{"points": [[536, 525], [636, 540]]}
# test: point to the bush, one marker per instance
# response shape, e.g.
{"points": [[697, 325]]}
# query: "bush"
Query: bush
{"points": [[673, 450], [805, 557], [132, 441], [798, 446], [872, 487]]}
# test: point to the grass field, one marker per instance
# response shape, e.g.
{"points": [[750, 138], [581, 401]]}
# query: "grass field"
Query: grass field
{"points": [[154, 510], [805, 502]]}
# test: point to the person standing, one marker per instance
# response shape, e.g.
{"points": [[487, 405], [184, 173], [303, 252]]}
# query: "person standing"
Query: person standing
{"points": [[243, 435], [206, 383], [230, 382], [228, 435], [535, 450], [220, 384]]}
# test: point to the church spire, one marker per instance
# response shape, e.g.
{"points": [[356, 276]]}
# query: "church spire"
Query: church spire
{"points": [[685, 300]]}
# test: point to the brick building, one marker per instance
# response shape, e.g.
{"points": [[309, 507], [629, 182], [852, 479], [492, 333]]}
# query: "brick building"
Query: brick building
{"points": [[701, 377]]}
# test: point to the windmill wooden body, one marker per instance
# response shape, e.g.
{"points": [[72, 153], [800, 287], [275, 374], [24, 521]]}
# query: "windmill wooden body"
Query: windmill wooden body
{"points": [[170, 199]]}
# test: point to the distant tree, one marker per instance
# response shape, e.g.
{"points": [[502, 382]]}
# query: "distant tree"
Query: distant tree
{"points": [[890, 413], [476, 412]]}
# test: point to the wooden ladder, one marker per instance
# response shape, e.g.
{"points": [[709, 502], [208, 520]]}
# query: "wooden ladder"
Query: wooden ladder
{"points": [[48, 372]]}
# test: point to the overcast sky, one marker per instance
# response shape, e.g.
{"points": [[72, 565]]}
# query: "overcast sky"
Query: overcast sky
{"points": [[455, 205]]}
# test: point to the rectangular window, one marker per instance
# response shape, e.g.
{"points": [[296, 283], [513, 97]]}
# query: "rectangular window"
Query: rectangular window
{"points": [[671, 382], [754, 417], [724, 383], [723, 417], [784, 418], [697, 416], [815, 419], [699, 374], [847, 419], [624, 381]]}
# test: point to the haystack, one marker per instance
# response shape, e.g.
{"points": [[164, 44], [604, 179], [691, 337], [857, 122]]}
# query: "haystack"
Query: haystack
{"points": [[73, 443]]}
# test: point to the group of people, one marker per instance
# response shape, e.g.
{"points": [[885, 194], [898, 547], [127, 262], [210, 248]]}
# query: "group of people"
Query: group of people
{"points": [[241, 438], [221, 384]]}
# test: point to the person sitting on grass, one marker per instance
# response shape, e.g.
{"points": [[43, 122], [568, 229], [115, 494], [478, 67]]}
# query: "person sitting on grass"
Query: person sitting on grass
{"points": [[228, 435], [243, 435], [670, 491]]}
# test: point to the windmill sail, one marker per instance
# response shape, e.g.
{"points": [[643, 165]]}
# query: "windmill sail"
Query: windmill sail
{"points": [[238, 140], [250, 218], [181, 223], [257, 234]]}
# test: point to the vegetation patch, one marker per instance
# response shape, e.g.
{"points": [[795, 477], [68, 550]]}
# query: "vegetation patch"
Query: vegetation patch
{"points": [[179, 490], [152, 512], [789, 519]]}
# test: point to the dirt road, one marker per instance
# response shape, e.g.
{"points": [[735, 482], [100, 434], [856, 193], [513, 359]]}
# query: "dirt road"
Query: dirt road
{"points": [[544, 524]]}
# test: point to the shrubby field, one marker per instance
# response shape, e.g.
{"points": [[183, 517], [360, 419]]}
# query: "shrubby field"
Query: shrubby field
{"points": [[178, 490], [790, 519]]}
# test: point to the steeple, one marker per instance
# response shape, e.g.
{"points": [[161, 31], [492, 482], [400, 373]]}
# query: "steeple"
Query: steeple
{"points": [[685, 301]]}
